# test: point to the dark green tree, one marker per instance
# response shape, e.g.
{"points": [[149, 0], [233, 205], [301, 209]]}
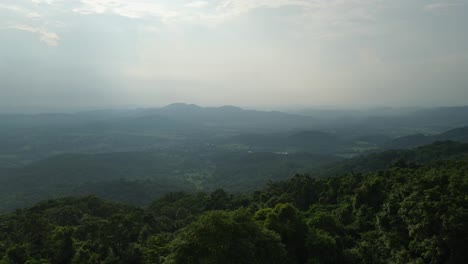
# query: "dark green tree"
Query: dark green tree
{"points": [[226, 237]]}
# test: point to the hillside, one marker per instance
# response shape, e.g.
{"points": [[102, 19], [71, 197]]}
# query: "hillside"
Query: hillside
{"points": [[139, 177], [399, 215], [28, 138], [443, 150], [458, 134], [154, 173], [232, 117], [401, 122]]}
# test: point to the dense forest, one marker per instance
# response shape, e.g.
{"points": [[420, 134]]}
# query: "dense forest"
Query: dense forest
{"points": [[412, 211], [138, 178]]}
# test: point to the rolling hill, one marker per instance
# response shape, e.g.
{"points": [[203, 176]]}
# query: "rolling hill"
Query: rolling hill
{"points": [[457, 134], [153, 172]]}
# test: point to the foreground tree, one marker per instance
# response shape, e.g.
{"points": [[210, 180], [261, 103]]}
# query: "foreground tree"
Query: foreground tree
{"points": [[226, 237]]}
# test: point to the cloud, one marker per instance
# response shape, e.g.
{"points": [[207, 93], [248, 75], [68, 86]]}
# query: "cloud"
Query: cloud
{"points": [[192, 11], [444, 5], [49, 38], [241, 6], [129, 9], [27, 16], [48, 2], [197, 4], [333, 17], [329, 18], [20, 10]]}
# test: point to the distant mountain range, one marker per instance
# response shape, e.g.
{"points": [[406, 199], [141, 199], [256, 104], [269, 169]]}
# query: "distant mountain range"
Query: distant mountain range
{"points": [[28, 138], [435, 119], [232, 117]]}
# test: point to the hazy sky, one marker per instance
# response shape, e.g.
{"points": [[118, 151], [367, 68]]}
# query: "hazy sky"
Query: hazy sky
{"points": [[107, 53]]}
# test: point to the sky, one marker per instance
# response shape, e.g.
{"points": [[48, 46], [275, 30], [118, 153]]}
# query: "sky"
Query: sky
{"points": [[64, 54]]}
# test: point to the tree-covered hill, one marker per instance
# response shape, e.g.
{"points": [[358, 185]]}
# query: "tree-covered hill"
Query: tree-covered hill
{"points": [[459, 134], [407, 213], [442, 150], [138, 178], [150, 173], [26, 138]]}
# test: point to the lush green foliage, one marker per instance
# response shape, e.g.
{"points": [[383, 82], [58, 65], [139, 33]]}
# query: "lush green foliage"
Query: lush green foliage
{"points": [[405, 214], [138, 178]]}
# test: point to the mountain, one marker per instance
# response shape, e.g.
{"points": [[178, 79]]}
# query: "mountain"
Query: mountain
{"points": [[410, 141], [28, 138], [442, 150], [402, 123], [457, 134], [231, 117], [442, 116]]}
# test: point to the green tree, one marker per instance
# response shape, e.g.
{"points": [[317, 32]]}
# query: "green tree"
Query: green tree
{"points": [[286, 220], [226, 237]]}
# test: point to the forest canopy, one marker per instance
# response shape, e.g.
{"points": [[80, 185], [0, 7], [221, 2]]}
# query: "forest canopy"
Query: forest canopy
{"points": [[408, 213]]}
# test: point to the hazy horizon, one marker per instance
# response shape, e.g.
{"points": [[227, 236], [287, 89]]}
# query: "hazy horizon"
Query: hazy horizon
{"points": [[296, 109], [61, 55]]}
